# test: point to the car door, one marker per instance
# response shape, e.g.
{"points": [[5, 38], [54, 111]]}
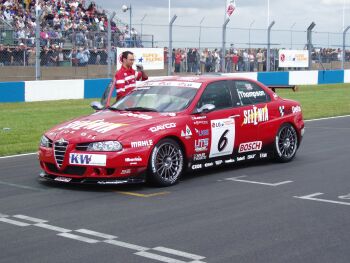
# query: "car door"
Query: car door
{"points": [[218, 125], [252, 102]]}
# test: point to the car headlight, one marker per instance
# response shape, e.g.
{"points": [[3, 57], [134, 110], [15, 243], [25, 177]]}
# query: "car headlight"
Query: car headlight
{"points": [[107, 146], [44, 142]]}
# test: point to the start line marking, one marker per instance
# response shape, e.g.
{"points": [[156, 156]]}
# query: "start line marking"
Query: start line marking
{"points": [[312, 198], [97, 237], [142, 195], [236, 179]]}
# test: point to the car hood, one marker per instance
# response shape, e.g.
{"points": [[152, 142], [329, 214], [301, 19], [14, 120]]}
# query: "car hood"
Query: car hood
{"points": [[107, 125]]}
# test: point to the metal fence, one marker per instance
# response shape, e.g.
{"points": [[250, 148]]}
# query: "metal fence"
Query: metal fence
{"points": [[56, 54]]}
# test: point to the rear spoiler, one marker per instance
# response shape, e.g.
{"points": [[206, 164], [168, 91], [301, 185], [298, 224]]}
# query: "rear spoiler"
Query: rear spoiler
{"points": [[274, 87]]}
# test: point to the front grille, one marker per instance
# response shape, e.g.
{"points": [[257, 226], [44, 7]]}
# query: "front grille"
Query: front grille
{"points": [[69, 170], [60, 148], [82, 146], [50, 143]]}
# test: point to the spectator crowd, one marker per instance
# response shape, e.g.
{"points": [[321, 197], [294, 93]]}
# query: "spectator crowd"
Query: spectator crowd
{"points": [[69, 22]]}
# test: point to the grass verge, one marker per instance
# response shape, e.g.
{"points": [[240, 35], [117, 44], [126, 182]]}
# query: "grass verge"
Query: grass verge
{"points": [[22, 124]]}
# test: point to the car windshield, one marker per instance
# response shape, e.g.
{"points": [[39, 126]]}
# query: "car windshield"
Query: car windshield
{"points": [[157, 98]]}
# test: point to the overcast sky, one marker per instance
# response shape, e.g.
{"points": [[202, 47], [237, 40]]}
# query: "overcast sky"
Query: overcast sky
{"points": [[327, 14]]}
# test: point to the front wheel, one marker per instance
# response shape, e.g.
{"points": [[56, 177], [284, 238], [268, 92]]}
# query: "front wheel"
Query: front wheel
{"points": [[286, 143], [166, 163]]}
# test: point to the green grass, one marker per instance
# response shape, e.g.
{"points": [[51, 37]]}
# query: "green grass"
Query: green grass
{"points": [[321, 101], [28, 121]]}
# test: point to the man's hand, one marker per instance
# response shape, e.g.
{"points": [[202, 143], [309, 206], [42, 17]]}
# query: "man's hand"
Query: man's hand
{"points": [[139, 67]]}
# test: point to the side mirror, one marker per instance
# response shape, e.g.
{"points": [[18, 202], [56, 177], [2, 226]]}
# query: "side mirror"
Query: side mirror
{"points": [[96, 105], [206, 108]]}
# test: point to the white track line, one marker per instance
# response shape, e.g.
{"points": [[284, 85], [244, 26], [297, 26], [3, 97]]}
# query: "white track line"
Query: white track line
{"points": [[32, 219], [94, 233], [126, 245], [21, 186], [178, 253], [13, 222], [158, 257], [17, 155], [235, 179], [79, 238], [328, 118], [53, 228], [311, 197]]}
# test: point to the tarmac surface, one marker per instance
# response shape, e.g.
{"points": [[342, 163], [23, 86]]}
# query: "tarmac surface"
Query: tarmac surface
{"points": [[257, 212]]}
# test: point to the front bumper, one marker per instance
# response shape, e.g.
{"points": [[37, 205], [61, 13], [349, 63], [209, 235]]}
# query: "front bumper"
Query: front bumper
{"points": [[99, 181]]}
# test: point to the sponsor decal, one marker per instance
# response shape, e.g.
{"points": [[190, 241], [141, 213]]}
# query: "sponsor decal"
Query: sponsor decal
{"points": [[87, 159], [127, 171], [281, 110], [202, 132], [251, 156], [99, 126], [162, 127], [187, 132], [200, 123], [201, 145], [248, 86], [296, 109], [146, 143], [135, 115], [208, 164], [241, 158], [84, 134], [199, 118], [256, 115], [251, 94], [230, 161], [133, 160], [219, 162], [170, 114], [185, 84], [263, 155], [250, 146], [196, 166], [222, 137], [63, 179], [199, 156]]}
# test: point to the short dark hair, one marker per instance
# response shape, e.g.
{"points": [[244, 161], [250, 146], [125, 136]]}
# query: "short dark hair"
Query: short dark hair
{"points": [[125, 54]]}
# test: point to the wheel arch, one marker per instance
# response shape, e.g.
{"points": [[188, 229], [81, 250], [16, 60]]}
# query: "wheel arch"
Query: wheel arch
{"points": [[180, 142]]}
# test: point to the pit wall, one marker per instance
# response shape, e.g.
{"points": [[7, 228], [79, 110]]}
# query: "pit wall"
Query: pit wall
{"points": [[28, 91]]}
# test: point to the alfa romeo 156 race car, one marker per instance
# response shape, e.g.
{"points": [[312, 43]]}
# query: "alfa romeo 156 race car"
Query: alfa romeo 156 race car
{"points": [[168, 125]]}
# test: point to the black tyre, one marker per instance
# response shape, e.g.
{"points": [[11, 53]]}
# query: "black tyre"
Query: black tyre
{"points": [[166, 163], [286, 143]]}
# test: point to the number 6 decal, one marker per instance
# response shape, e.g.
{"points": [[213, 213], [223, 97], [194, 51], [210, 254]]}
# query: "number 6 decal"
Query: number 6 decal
{"points": [[222, 137], [223, 141]]}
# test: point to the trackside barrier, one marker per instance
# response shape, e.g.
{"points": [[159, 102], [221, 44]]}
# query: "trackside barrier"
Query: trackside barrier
{"points": [[12, 91], [27, 91]]}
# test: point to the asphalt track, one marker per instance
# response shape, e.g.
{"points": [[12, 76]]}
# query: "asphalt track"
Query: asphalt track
{"points": [[261, 212]]}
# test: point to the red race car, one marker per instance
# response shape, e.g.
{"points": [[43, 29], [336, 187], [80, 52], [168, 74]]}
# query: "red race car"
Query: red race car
{"points": [[171, 124]]}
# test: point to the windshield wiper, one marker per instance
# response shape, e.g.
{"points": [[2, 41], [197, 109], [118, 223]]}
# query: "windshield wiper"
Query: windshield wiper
{"points": [[140, 109], [113, 108]]}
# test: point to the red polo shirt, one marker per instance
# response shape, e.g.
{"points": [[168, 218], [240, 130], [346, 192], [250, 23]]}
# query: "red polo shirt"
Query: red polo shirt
{"points": [[126, 81]]}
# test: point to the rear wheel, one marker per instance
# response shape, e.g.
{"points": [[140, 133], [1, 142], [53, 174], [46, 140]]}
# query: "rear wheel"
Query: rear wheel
{"points": [[286, 143], [166, 163]]}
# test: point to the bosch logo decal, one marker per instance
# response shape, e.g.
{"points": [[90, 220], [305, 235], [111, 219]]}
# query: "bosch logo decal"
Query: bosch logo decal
{"points": [[250, 147]]}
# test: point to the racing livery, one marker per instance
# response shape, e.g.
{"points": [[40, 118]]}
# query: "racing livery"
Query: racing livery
{"points": [[171, 124]]}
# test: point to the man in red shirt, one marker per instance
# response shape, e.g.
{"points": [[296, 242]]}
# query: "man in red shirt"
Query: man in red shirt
{"points": [[126, 76]]}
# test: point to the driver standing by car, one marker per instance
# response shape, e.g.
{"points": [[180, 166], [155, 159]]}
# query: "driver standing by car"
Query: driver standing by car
{"points": [[126, 77]]}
